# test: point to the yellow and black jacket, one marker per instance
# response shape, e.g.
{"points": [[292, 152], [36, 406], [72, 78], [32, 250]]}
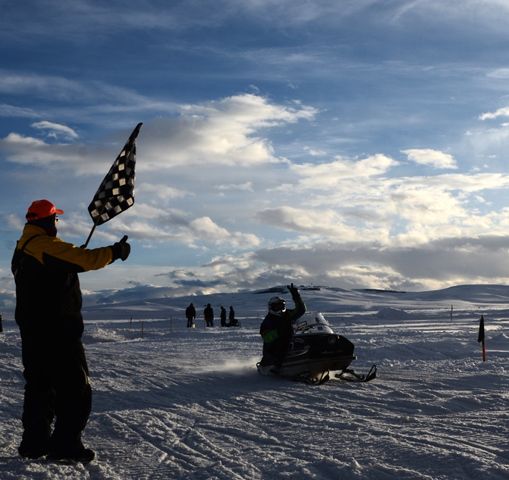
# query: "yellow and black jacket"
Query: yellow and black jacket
{"points": [[48, 295]]}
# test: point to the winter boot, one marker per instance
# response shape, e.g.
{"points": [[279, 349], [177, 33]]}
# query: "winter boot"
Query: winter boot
{"points": [[32, 451], [75, 453]]}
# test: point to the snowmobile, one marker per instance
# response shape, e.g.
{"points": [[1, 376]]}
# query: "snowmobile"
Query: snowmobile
{"points": [[314, 351]]}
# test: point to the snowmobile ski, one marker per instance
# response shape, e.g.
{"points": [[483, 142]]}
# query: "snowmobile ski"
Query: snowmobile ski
{"points": [[349, 375], [316, 378]]}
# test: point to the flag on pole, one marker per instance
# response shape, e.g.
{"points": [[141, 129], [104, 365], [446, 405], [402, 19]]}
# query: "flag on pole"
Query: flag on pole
{"points": [[116, 192], [480, 338]]}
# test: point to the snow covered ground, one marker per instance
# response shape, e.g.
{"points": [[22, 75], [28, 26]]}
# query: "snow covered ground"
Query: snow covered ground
{"points": [[178, 403]]}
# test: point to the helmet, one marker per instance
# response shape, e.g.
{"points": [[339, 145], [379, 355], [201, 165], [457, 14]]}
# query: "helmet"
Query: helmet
{"points": [[42, 209], [277, 305]]}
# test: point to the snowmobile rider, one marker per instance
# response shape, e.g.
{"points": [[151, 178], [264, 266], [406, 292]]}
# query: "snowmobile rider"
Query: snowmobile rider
{"points": [[277, 330], [48, 313]]}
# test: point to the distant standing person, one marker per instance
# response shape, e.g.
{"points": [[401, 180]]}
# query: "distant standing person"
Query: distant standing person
{"points": [[48, 313], [190, 315], [208, 314], [223, 316], [231, 318]]}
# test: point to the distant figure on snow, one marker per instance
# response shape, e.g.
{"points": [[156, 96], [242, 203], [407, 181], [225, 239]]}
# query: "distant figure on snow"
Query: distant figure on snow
{"points": [[276, 329], [223, 317], [232, 322], [208, 314], [190, 315]]}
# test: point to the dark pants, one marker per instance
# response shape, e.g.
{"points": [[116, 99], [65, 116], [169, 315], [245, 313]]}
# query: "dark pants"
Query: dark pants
{"points": [[57, 387], [275, 352]]}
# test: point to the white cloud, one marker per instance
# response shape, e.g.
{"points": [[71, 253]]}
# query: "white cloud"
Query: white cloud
{"points": [[240, 187], [14, 139], [435, 264], [468, 183], [469, 14], [62, 89], [315, 152], [499, 73], [394, 266], [13, 221], [224, 132], [486, 145], [501, 112], [362, 264], [329, 175], [27, 150], [56, 129], [163, 192], [428, 156], [208, 231], [394, 210], [154, 224], [205, 227], [314, 222], [15, 111]]}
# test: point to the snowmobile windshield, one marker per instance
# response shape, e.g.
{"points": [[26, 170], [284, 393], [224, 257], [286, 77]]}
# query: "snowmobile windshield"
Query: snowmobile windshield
{"points": [[319, 318], [314, 324]]}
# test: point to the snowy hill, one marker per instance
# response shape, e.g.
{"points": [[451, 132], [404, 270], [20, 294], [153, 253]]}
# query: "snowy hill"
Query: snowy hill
{"points": [[158, 302], [178, 403]]}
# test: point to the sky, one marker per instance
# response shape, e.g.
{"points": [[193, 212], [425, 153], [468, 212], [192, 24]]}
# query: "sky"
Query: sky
{"points": [[348, 143]]}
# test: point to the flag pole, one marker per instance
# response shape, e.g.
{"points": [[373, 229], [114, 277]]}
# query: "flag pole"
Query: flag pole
{"points": [[93, 228], [90, 235]]}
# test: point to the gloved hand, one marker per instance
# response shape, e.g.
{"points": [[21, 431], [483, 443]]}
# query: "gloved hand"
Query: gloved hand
{"points": [[121, 249], [293, 290]]}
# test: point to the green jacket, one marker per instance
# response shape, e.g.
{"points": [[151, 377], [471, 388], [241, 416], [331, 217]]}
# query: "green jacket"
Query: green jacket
{"points": [[279, 326]]}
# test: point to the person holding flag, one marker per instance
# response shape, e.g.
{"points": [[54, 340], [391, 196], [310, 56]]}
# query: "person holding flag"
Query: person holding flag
{"points": [[48, 313]]}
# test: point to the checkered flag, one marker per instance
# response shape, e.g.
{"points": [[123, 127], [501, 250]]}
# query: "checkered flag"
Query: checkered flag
{"points": [[116, 192]]}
